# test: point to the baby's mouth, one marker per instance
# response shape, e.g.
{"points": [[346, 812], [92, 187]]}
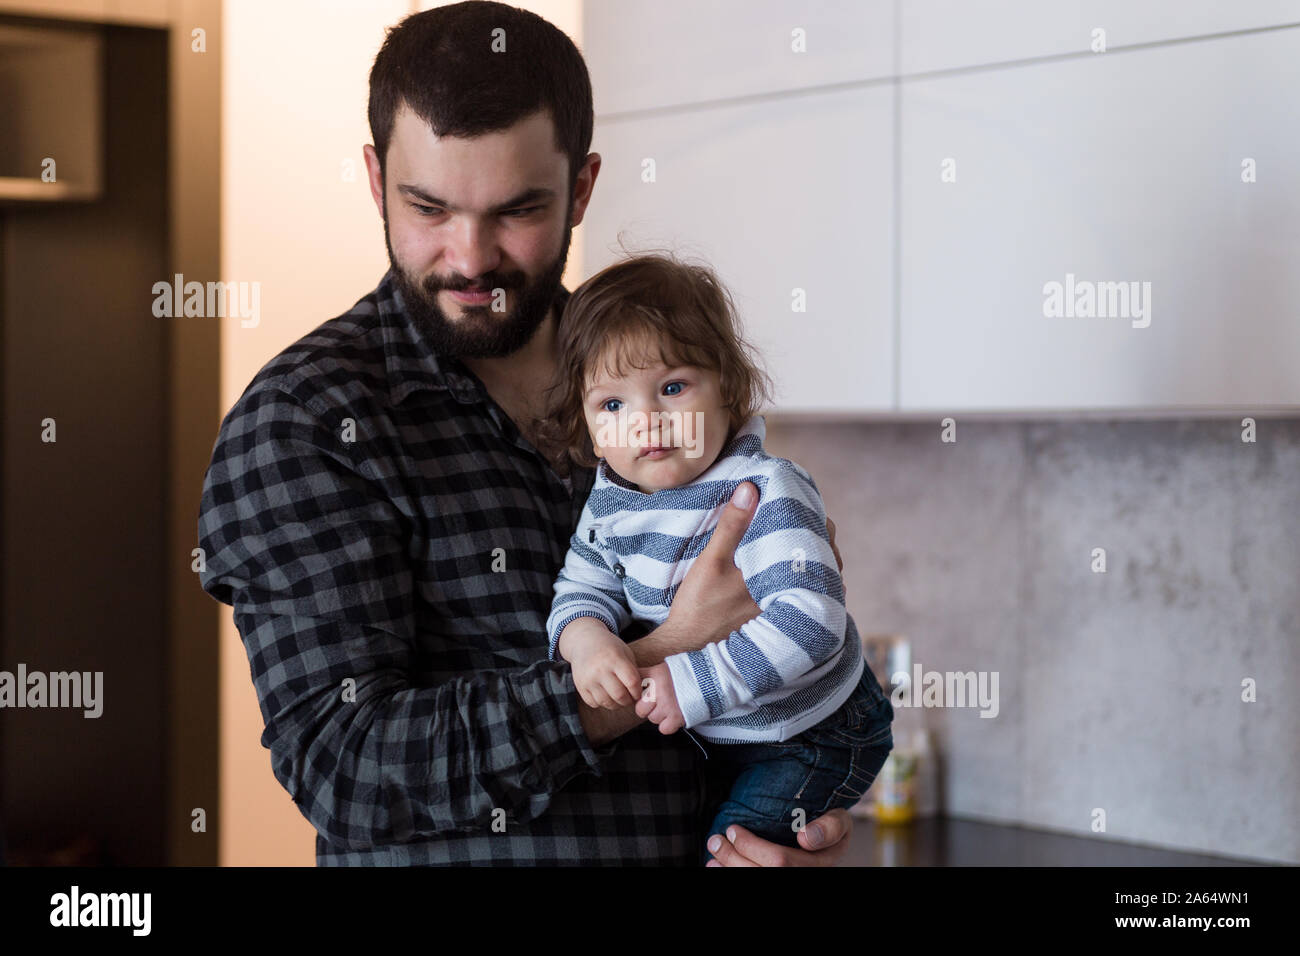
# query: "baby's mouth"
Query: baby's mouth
{"points": [[656, 451]]}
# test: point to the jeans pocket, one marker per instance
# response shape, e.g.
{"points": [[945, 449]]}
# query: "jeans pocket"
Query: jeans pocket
{"points": [[866, 718], [869, 693], [864, 765], [854, 726]]}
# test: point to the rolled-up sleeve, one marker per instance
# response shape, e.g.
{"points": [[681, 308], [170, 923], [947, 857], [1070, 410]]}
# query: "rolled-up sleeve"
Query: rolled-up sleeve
{"points": [[314, 558]]}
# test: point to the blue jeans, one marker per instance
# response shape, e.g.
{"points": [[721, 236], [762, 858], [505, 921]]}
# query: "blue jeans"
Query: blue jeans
{"points": [[772, 789]]}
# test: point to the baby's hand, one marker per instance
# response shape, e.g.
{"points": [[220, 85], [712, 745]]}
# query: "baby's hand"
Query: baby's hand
{"points": [[604, 668], [659, 701]]}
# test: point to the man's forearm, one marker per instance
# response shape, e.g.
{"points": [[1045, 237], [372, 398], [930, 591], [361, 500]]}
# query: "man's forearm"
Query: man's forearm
{"points": [[602, 725], [452, 752], [664, 641]]}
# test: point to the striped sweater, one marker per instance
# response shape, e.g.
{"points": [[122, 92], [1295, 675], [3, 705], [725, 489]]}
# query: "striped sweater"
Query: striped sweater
{"points": [[781, 672]]}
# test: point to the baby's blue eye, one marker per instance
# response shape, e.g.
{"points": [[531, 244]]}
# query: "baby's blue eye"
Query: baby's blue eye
{"points": [[671, 384], [606, 407]]}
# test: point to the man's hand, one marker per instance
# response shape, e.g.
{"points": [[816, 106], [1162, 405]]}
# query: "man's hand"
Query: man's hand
{"points": [[659, 701], [839, 562], [824, 841], [712, 600]]}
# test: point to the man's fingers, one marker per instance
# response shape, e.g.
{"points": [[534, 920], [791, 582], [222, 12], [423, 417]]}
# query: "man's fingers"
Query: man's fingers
{"points": [[830, 533], [826, 831], [732, 524], [757, 851], [745, 849], [726, 854]]}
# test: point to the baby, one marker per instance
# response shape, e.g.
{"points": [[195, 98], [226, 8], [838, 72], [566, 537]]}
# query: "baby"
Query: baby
{"points": [[655, 381]]}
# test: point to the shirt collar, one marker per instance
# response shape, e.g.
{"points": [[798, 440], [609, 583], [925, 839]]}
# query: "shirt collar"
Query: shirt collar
{"points": [[410, 361]]}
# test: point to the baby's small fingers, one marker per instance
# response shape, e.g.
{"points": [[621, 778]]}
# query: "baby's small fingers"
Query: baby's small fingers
{"points": [[670, 726], [631, 681], [617, 692]]}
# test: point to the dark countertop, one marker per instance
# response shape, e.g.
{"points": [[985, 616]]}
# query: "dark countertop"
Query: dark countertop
{"points": [[951, 841]]}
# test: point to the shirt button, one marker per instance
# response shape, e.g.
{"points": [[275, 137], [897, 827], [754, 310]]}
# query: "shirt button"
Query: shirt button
{"points": [[618, 569], [591, 536]]}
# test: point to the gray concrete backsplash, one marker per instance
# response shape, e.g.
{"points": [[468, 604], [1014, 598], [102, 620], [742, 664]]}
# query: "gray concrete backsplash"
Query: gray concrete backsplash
{"points": [[1119, 692]]}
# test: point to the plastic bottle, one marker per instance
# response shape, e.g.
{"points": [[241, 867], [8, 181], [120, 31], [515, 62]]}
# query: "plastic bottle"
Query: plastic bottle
{"points": [[927, 774], [895, 788]]}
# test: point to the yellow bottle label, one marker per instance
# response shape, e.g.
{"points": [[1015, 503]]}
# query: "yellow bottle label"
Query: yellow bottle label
{"points": [[896, 789]]}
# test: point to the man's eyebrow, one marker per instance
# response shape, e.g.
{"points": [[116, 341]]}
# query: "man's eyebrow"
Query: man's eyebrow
{"points": [[528, 195]]}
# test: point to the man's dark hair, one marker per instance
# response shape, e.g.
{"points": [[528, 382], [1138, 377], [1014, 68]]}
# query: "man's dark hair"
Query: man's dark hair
{"points": [[442, 64]]}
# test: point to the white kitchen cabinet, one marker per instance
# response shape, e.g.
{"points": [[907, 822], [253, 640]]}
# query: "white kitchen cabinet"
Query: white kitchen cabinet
{"points": [[945, 34], [644, 54], [785, 194], [1110, 169]]}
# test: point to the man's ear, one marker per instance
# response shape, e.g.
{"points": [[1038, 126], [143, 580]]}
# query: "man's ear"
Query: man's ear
{"points": [[585, 183], [375, 176]]}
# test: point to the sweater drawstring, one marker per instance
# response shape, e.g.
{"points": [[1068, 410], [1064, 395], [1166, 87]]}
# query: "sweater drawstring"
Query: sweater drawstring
{"points": [[697, 743]]}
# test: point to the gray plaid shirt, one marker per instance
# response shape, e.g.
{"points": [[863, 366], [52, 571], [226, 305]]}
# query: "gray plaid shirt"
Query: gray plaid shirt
{"points": [[389, 542]]}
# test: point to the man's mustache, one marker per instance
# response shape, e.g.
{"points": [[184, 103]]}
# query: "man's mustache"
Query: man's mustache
{"points": [[434, 286]]}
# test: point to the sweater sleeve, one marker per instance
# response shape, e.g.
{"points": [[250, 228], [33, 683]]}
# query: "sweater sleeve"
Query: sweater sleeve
{"points": [[586, 587], [790, 569]]}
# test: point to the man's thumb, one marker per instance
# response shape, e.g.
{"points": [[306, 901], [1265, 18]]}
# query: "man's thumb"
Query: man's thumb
{"points": [[735, 518]]}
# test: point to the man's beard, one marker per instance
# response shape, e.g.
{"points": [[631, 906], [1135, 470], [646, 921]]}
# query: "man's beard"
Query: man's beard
{"points": [[479, 332]]}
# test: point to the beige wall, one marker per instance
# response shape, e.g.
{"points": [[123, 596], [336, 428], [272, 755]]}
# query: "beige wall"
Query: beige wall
{"points": [[294, 91]]}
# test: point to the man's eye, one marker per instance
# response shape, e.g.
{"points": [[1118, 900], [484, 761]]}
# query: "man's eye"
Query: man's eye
{"points": [[436, 211], [605, 405], [671, 384]]}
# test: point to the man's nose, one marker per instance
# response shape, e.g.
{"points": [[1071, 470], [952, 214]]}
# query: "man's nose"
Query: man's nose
{"points": [[473, 250]]}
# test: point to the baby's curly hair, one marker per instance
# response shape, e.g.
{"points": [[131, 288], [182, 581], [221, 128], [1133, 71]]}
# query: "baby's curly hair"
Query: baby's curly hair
{"points": [[648, 306]]}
